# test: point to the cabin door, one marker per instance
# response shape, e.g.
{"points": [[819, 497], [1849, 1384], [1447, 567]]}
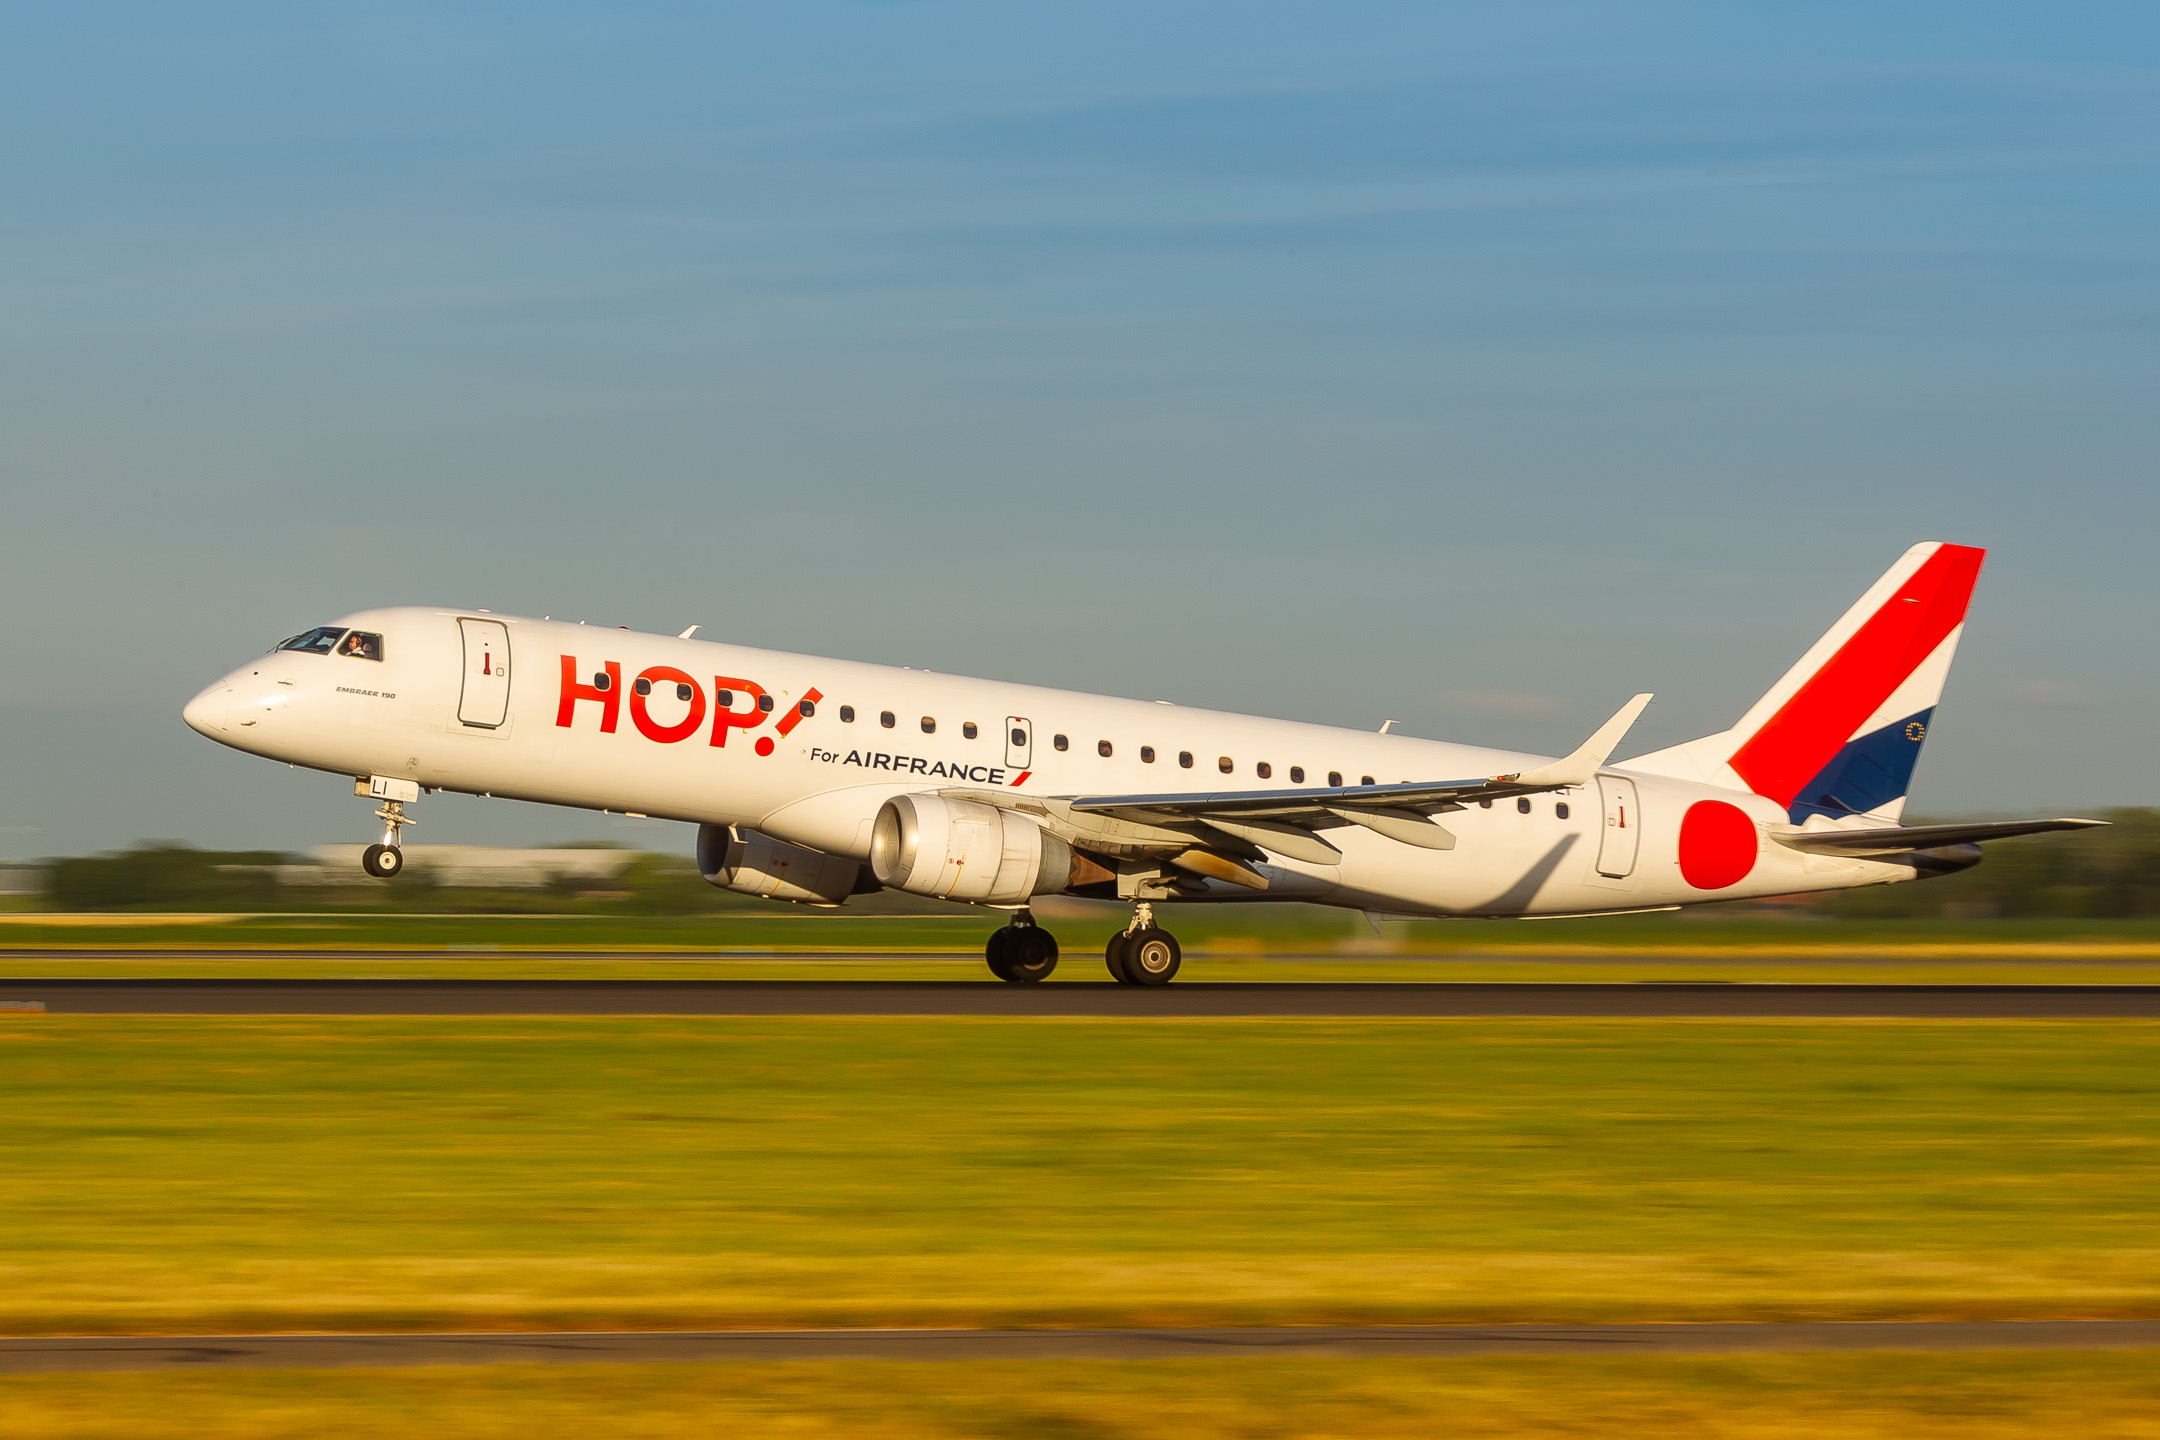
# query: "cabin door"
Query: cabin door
{"points": [[1623, 828], [1019, 742], [484, 703]]}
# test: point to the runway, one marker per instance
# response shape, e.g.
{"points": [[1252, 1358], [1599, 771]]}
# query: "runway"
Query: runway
{"points": [[1210, 1000], [50, 1354]]}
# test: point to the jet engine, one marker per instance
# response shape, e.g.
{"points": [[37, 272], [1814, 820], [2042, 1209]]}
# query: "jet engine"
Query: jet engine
{"points": [[757, 864], [965, 850]]}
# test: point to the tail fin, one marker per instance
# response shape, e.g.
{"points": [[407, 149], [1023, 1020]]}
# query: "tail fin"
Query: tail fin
{"points": [[1839, 734]]}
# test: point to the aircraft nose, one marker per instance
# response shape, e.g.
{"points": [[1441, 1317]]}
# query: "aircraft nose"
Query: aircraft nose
{"points": [[210, 713]]}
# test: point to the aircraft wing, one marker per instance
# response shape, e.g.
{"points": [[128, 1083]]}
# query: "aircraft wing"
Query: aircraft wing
{"points": [[1283, 820], [1896, 839]]}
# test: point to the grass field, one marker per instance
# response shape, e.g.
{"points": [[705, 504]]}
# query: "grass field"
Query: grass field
{"points": [[174, 1174], [1233, 943], [2098, 1396]]}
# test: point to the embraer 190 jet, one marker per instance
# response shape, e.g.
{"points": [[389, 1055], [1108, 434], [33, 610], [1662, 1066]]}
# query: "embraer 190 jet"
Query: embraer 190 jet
{"points": [[814, 780]]}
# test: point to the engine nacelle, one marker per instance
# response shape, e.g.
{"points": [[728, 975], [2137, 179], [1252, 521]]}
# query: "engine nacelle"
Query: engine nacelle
{"points": [[965, 850], [757, 864]]}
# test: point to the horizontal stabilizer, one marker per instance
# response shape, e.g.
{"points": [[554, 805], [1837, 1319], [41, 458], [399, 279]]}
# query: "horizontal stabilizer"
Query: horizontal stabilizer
{"points": [[1897, 839]]}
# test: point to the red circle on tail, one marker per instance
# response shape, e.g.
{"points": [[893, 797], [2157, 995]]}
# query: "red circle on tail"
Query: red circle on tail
{"points": [[1717, 845]]}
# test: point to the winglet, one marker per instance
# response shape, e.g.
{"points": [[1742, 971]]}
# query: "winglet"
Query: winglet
{"points": [[1581, 767]]}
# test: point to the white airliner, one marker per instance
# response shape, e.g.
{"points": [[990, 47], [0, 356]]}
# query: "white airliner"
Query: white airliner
{"points": [[814, 780]]}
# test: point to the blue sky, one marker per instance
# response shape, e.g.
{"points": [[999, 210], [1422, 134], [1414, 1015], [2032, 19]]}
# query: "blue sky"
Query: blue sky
{"points": [[1475, 366]]}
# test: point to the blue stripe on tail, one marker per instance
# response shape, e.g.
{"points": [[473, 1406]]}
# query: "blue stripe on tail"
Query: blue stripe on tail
{"points": [[1867, 774]]}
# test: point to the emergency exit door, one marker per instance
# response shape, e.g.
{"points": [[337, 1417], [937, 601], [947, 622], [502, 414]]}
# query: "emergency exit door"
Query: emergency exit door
{"points": [[484, 702], [1019, 742], [1623, 828]]}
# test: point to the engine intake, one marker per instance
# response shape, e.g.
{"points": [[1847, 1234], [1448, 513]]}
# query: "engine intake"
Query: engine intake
{"points": [[756, 864], [965, 850]]}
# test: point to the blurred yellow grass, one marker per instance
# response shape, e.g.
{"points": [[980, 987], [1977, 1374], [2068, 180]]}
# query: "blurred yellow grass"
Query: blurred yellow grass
{"points": [[2103, 1395], [238, 1173], [997, 1287]]}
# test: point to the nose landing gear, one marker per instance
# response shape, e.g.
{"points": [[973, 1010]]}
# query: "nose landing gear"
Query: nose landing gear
{"points": [[1022, 952], [1143, 953], [387, 860]]}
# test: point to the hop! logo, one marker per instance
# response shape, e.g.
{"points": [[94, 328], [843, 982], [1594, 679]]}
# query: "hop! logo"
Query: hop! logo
{"points": [[735, 704]]}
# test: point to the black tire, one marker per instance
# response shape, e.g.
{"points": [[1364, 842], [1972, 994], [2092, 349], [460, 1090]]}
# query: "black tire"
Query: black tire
{"points": [[382, 861], [1152, 956], [1114, 957], [1031, 954], [998, 950]]}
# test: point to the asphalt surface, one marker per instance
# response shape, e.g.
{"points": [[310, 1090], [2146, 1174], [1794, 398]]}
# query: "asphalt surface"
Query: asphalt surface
{"points": [[111, 996], [48, 1354], [1078, 960]]}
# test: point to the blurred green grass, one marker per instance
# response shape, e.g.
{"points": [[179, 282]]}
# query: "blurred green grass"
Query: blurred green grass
{"points": [[246, 1173], [2104, 1395]]}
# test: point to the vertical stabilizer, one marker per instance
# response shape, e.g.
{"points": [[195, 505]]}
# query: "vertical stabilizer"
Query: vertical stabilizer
{"points": [[1837, 737]]}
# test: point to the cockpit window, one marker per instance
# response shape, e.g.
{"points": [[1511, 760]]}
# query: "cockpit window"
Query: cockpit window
{"points": [[318, 641], [361, 646]]}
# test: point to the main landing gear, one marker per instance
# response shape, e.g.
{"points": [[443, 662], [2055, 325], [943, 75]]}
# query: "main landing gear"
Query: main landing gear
{"points": [[1022, 952], [1143, 953]]}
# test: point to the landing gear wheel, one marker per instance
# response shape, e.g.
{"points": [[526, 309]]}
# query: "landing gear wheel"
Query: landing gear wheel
{"points": [[1115, 954], [1151, 956], [1021, 954], [382, 861], [995, 949], [1031, 954]]}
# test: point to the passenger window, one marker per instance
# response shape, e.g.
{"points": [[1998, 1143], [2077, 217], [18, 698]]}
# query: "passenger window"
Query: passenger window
{"points": [[601, 680], [847, 714], [643, 686], [1264, 770], [764, 703], [1334, 779], [1364, 780], [929, 726], [1147, 754], [806, 709], [1019, 738], [725, 699], [885, 719], [967, 730], [1226, 764], [1184, 759], [362, 646], [1560, 809], [1059, 742], [1484, 804], [318, 641], [1102, 748], [1297, 774], [1522, 805]]}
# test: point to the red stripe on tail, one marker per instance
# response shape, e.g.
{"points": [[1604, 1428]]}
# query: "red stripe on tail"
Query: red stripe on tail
{"points": [[1794, 744]]}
